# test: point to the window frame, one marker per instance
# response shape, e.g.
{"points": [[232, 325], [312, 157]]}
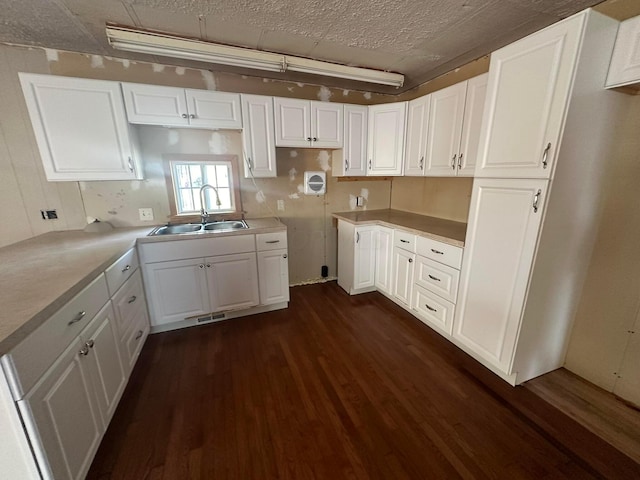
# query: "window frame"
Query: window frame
{"points": [[176, 217]]}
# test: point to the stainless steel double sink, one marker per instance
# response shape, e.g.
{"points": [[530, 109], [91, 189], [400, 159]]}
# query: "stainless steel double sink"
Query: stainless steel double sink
{"points": [[186, 228]]}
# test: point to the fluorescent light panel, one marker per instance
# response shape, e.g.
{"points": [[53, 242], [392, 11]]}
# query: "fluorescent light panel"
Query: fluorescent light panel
{"points": [[123, 38]]}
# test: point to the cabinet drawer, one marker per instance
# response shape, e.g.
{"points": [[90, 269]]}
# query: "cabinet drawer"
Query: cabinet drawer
{"points": [[440, 252], [196, 248], [38, 351], [404, 240], [121, 270], [433, 310], [127, 302], [271, 241], [438, 278]]}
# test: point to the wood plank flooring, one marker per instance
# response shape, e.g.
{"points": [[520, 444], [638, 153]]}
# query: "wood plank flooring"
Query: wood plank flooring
{"points": [[596, 409], [335, 387]]}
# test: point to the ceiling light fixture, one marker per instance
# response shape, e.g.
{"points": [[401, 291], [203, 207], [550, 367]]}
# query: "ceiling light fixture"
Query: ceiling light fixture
{"points": [[165, 45]]}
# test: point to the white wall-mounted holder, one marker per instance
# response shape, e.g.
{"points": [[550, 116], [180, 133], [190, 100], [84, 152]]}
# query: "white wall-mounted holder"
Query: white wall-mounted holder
{"points": [[315, 183]]}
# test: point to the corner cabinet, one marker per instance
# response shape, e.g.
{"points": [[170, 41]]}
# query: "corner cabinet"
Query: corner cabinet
{"points": [[179, 107], [258, 136], [547, 118], [310, 124], [386, 138], [81, 128]]}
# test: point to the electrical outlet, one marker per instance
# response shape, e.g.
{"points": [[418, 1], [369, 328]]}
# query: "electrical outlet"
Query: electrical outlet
{"points": [[49, 214], [359, 201], [146, 214], [281, 205]]}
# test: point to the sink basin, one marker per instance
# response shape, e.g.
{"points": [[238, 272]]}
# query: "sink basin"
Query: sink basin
{"points": [[179, 228], [226, 225], [184, 228]]}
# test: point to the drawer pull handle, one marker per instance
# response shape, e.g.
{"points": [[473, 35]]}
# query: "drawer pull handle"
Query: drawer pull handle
{"points": [[138, 335], [272, 241], [430, 308], [84, 351], [132, 299], [126, 269], [404, 241], [437, 251], [434, 278], [90, 343], [536, 200], [77, 318], [545, 155]]}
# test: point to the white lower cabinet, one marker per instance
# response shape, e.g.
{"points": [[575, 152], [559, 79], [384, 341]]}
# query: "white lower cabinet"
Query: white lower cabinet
{"points": [[67, 376], [384, 259], [357, 248], [402, 280], [434, 310], [186, 285], [232, 281], [69, 409], [176, 290]]}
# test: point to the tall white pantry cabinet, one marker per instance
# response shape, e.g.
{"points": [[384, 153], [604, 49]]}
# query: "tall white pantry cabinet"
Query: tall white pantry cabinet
{"points": [[546, 135]]}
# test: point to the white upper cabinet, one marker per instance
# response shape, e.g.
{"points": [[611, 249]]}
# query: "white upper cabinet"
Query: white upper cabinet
{"points": [[81, 128], [305, 123], [472, 124], [386, 138], [527, 94], [351, 160], [445, 130], [416, 141], [179, 107], [258, 136], [625, 61]]}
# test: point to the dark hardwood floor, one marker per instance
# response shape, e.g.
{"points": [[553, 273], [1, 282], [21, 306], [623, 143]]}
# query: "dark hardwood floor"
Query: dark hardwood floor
{"points": [[335, 387]]}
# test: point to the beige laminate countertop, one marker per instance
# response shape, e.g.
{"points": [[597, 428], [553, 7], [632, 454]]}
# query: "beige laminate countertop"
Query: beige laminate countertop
{"points": [[446, 231], [40, 275]]}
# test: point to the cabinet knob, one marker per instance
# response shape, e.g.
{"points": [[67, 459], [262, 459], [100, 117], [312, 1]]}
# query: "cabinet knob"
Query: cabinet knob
{"points": [[139, 334], [90, 344], [192, 115], [132, 299], [184, 115], [201, 265], [308, 139], [411, 260], [84, 351], [315, 139], [126, 269], [284, 255], [79, 316], [208, 265]]}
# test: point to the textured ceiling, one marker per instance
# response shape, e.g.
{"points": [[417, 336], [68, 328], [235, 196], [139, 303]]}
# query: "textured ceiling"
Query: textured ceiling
{"points": [[420, 39]]}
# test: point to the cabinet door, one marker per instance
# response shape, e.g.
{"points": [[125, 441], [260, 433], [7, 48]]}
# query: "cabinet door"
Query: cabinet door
{"points": [[364, 258], [292, 122], [209, 109], [177, 290], [354, 159], [81, 128], [326, 124], [273, 273], [386, 138], [155, 105], [403, 262], [104, 363], [62, 417], [126, 302], [134, 340], [258, 136], [501, 241], [625, 67], [384, 258], [471, 125], [417, 125], [233, 281], [445, 130], [527, 94]]}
